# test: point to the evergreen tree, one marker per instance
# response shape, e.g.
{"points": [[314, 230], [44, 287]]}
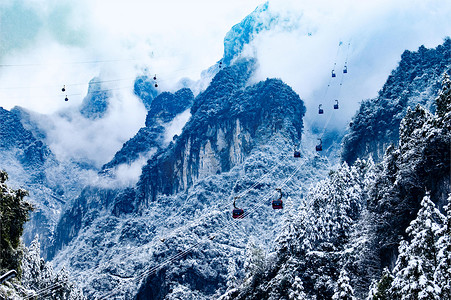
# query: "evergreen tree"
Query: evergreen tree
{"points": [[381, 290], [39, 277], [297, 290], [417, 260], [344, 290], [443, 101], [442, 274], [14, 211], [255, 262]]}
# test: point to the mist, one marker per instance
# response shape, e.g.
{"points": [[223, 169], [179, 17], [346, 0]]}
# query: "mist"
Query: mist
{"points": [[46, 45], [314, 37]]}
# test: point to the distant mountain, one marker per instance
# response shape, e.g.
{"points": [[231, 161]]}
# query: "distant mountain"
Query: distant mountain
{"points": [[208, 144], [161, 111], [30, 164], [144, 88], [237, 133], [95, 104], [416, 80]]}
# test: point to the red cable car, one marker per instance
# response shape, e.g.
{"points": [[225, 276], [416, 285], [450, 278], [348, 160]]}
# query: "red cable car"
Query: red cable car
{"points": [[278, 203], [237, 213]]}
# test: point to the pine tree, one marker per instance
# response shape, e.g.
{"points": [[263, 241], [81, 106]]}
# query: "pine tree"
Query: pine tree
{"points": [[39, 276], [255, 261], [297, 290], [417, 260], [344, 290], [381, 289], [442, 274], [14, 211], [443, 101], [232, 272]]}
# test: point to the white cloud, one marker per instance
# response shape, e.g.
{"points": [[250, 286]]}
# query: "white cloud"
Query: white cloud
{"points": [[378, 32], [175, 126], [177, 39]]}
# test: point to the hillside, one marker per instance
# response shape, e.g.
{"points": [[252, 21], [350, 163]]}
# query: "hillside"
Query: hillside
{"points": [[416, 80]]}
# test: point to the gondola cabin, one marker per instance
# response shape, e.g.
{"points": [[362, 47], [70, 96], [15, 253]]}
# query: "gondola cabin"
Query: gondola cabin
{"points": [[333, 74], [336, 104], [66, 99], [297, 153], [320, 110], [278, 203], [237, 213], [345, 70], [319, 147]]}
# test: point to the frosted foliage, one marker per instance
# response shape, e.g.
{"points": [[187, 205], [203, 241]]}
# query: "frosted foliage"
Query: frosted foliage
{"points": [[255, 260], [39, 277], [343, 290], [337, 202], [442, 275], [414, 269], [232, 273], [443, 100], [297, 290]]}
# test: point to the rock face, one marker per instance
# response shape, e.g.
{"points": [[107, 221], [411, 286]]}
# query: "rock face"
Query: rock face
{"points": [[95, 104], [415, 81], [228, 121], [144, 88], [163, 109], [28, 160], [236, 133]]}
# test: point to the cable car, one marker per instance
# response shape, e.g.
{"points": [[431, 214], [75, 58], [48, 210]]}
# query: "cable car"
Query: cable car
{"points": [[320, 110], [278, 203], [155, 77], [336, 104], [297, 153], [64, 88], [237, 213], [156, 85], [66, 99], [345, 70], [319, 147], [333, 73]]}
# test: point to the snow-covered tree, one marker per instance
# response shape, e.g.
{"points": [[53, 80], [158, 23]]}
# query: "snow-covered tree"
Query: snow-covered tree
{"points": [[232, 272], [40, 279], [443, 101], [417, 260], [380, 290], [442, 273], [255, 261], [344, 290], [14, 211], [297, 290]]}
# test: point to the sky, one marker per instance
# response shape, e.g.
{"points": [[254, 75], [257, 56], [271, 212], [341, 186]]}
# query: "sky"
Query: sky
{"points": [[47, 44]]}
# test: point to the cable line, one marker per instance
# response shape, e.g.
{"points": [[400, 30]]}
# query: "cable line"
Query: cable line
{"points": [[228, 224]]}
